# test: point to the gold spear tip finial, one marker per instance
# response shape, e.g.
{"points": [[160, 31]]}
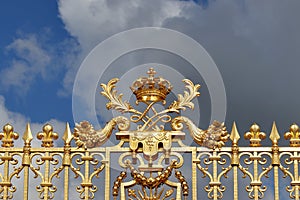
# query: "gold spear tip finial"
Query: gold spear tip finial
{"points": [[67, 137], [27, 136], [274, 136], [234, 136]]}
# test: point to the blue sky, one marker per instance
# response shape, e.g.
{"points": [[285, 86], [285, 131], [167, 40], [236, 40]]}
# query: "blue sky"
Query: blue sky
{"points": [[39, 23]]}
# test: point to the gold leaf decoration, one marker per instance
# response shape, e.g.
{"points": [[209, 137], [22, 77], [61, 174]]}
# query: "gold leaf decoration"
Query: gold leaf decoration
{"points": [[185, 101], [115, 100], [214, 137], [86, 136]]}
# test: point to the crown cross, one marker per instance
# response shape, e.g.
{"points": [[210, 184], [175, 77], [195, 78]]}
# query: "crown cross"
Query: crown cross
{"points": [[151, 72]]}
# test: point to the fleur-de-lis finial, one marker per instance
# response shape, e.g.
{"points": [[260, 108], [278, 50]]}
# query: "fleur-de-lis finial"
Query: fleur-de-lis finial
{"points": [[293, 135], [47, 136], [8, 135], [255, 136]]}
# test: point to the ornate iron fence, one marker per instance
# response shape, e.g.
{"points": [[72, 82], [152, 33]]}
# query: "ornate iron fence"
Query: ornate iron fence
{"points": [[149, 162]]}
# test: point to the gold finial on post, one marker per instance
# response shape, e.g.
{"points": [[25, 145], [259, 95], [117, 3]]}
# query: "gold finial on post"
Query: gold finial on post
{"points": [[47, 136], [27, 136], [274, 136], [235, 136], [67, 137], [235, 161], [293, 135], [255, 136], [8, 135]]}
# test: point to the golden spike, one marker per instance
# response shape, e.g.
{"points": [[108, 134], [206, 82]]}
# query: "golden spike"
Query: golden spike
{"points": [[274, 136], [67, 137], [27, 136], [234, 136]]}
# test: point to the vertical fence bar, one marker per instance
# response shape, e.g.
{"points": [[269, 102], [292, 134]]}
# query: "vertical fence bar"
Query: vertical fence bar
{"points": [[255, 136], [294, 136], [7, 137], [215, 182], [87, 158], [67, 137], [255, 174], [107, 174], [66, 183], [274, 136], [296, 175], [45, 183], [5, 183], [27, 137], [47, 136], [194, 174], [235, 183], [234, 136], [26, 181], [276, 183]]}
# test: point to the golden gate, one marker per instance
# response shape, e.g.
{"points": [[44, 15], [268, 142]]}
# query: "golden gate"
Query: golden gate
{"points": [[153, 160]]}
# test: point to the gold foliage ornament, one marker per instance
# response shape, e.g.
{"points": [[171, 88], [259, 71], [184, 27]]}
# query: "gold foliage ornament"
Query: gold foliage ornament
{"points": [[86, 136], [185, 101], [116, 101], [214, 137]]}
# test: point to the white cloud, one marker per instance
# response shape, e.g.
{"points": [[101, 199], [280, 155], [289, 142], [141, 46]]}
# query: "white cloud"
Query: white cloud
{"points": [[34, 58], [30, 61], [258, 41], [99, 19]]}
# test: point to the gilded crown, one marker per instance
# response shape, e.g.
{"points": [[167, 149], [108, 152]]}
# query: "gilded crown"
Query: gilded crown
{"points": [[151, 89]]}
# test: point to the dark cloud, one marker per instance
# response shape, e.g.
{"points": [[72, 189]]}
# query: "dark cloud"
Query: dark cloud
{"points": [[255, 44]]}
